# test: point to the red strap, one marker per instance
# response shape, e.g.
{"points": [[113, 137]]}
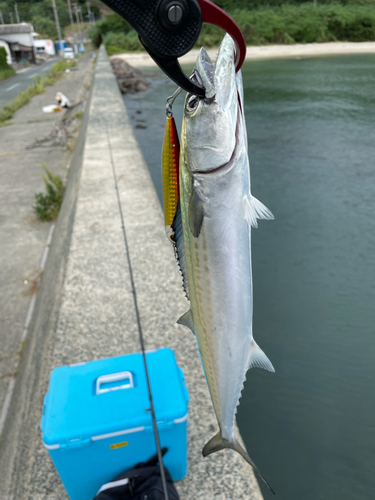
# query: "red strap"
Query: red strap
{"points": [[212, 14]]}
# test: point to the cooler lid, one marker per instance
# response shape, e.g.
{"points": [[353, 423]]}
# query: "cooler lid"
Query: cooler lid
{"points": [[101, 397]]}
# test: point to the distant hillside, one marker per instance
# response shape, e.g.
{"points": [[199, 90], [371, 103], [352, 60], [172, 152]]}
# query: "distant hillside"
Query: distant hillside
{"points": [[280, 23]]}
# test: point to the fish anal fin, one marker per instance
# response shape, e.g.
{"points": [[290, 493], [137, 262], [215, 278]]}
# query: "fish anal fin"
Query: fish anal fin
{"points": [[257, 358], [218, 443], [196, 213], [254, 209], [187, 320]]}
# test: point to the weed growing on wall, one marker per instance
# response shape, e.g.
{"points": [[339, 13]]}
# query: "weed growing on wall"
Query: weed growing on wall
{"points": [[48, 204]]}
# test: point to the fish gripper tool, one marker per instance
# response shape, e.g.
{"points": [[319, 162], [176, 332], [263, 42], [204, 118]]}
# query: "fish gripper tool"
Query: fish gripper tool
{"points": [[168, 29]]}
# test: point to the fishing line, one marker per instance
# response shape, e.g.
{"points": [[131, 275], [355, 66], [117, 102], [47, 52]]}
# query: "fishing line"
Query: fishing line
{"points": [[156, 432]]}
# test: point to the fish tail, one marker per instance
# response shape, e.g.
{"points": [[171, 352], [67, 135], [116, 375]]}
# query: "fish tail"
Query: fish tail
{"points": [[218, 443]]}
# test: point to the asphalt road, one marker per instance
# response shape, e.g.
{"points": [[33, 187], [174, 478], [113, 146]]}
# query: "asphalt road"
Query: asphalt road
{"points": [[11, 87]]}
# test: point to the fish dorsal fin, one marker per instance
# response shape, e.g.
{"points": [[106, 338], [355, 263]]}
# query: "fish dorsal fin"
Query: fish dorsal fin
{"points": [[179, 249], [254, 209], [257, 358], [187, 320]]}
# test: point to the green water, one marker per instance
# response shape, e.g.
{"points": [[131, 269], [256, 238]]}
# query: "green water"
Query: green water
{"points": [[310, 427]]}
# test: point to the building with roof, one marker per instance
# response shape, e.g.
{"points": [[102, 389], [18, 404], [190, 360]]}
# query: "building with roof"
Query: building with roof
{"points": [[20, 38]]}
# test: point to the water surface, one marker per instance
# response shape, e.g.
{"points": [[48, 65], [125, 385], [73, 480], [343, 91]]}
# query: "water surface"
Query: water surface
{"points": [[310, 427]]}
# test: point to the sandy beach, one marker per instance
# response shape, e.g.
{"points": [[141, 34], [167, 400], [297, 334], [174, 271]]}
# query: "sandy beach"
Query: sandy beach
{"points": [[142, 59]]}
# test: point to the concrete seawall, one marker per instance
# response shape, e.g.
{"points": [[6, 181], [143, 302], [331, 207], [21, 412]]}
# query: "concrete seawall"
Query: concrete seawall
{"points": [[96, 316]]}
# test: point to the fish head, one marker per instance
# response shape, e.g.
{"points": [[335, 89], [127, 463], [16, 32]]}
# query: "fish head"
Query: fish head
{"points": [[210, 123]]}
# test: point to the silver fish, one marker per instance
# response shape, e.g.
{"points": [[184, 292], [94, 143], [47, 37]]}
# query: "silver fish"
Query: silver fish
{"points": [[218, 212]]}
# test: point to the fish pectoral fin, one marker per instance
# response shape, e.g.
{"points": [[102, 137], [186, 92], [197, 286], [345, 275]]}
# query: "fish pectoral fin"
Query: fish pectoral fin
{"points": [[257, 358], [196, 212], [254, 209], [218, 443], [187, 320]]}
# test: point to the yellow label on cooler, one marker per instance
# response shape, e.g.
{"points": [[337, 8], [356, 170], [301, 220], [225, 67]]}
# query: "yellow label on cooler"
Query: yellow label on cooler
{"points": [[118, 445]]}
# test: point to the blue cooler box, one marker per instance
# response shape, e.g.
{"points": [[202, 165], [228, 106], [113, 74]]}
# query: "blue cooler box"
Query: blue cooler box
{"points": [[97, 424]]}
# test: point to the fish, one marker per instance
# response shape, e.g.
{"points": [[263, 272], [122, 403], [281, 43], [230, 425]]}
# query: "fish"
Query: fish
{"points": [[212, 233]]}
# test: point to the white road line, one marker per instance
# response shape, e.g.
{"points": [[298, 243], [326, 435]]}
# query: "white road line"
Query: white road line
{"points": [[12, 87], [12, 382], [32, 76]]}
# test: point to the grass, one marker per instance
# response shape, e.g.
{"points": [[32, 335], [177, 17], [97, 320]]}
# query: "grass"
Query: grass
{"points": [[47, 205], [79, 115], [7, 73], [38, 87]]}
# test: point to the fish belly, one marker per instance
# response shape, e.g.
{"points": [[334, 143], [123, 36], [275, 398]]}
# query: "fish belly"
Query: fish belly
{"points": [[219, 274]]}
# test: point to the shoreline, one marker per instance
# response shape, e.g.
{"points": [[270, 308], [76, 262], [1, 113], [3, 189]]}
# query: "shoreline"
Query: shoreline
{"points": [[143, 60]]}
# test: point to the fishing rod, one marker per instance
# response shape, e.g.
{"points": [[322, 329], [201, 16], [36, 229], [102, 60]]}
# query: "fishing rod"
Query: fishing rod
{"points": [[141, 340]]}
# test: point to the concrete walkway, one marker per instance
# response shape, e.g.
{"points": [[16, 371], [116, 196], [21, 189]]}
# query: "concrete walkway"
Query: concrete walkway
{"points": [[22, 237], [85, 307]]}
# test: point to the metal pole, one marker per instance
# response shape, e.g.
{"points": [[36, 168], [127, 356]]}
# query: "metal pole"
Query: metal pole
{"points": [[17, 16], [11, 17], [72, 25], [57, 26], [78, 26], [81, 17], [88, 11]]}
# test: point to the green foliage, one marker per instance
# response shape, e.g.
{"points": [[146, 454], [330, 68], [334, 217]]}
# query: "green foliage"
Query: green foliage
{"points": [[3, 59], [5, 70], [299, 24], [120, 42], [40, 83], [44, 26], [111, 23], [6, 73], [47, 205], [232, 5]]}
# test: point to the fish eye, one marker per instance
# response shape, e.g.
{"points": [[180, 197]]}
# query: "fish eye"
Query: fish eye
{"points": [[192, 103]]}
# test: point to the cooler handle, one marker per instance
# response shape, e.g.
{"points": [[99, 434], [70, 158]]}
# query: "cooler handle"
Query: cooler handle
{"points": [[114, 377]]}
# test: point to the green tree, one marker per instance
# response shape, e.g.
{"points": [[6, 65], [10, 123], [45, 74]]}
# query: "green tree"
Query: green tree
{"points": [[44, 26]]}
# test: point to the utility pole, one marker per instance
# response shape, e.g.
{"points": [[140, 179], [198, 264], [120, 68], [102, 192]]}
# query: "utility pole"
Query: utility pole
{"points": [[57, 27], [88, 11], [75, 7], [81, 17], [72, 25], [1, 17], [82, 25], [17, 16]]}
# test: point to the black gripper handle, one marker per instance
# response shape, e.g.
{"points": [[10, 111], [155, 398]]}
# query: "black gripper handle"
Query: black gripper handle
{"points": [[169, 28]]}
